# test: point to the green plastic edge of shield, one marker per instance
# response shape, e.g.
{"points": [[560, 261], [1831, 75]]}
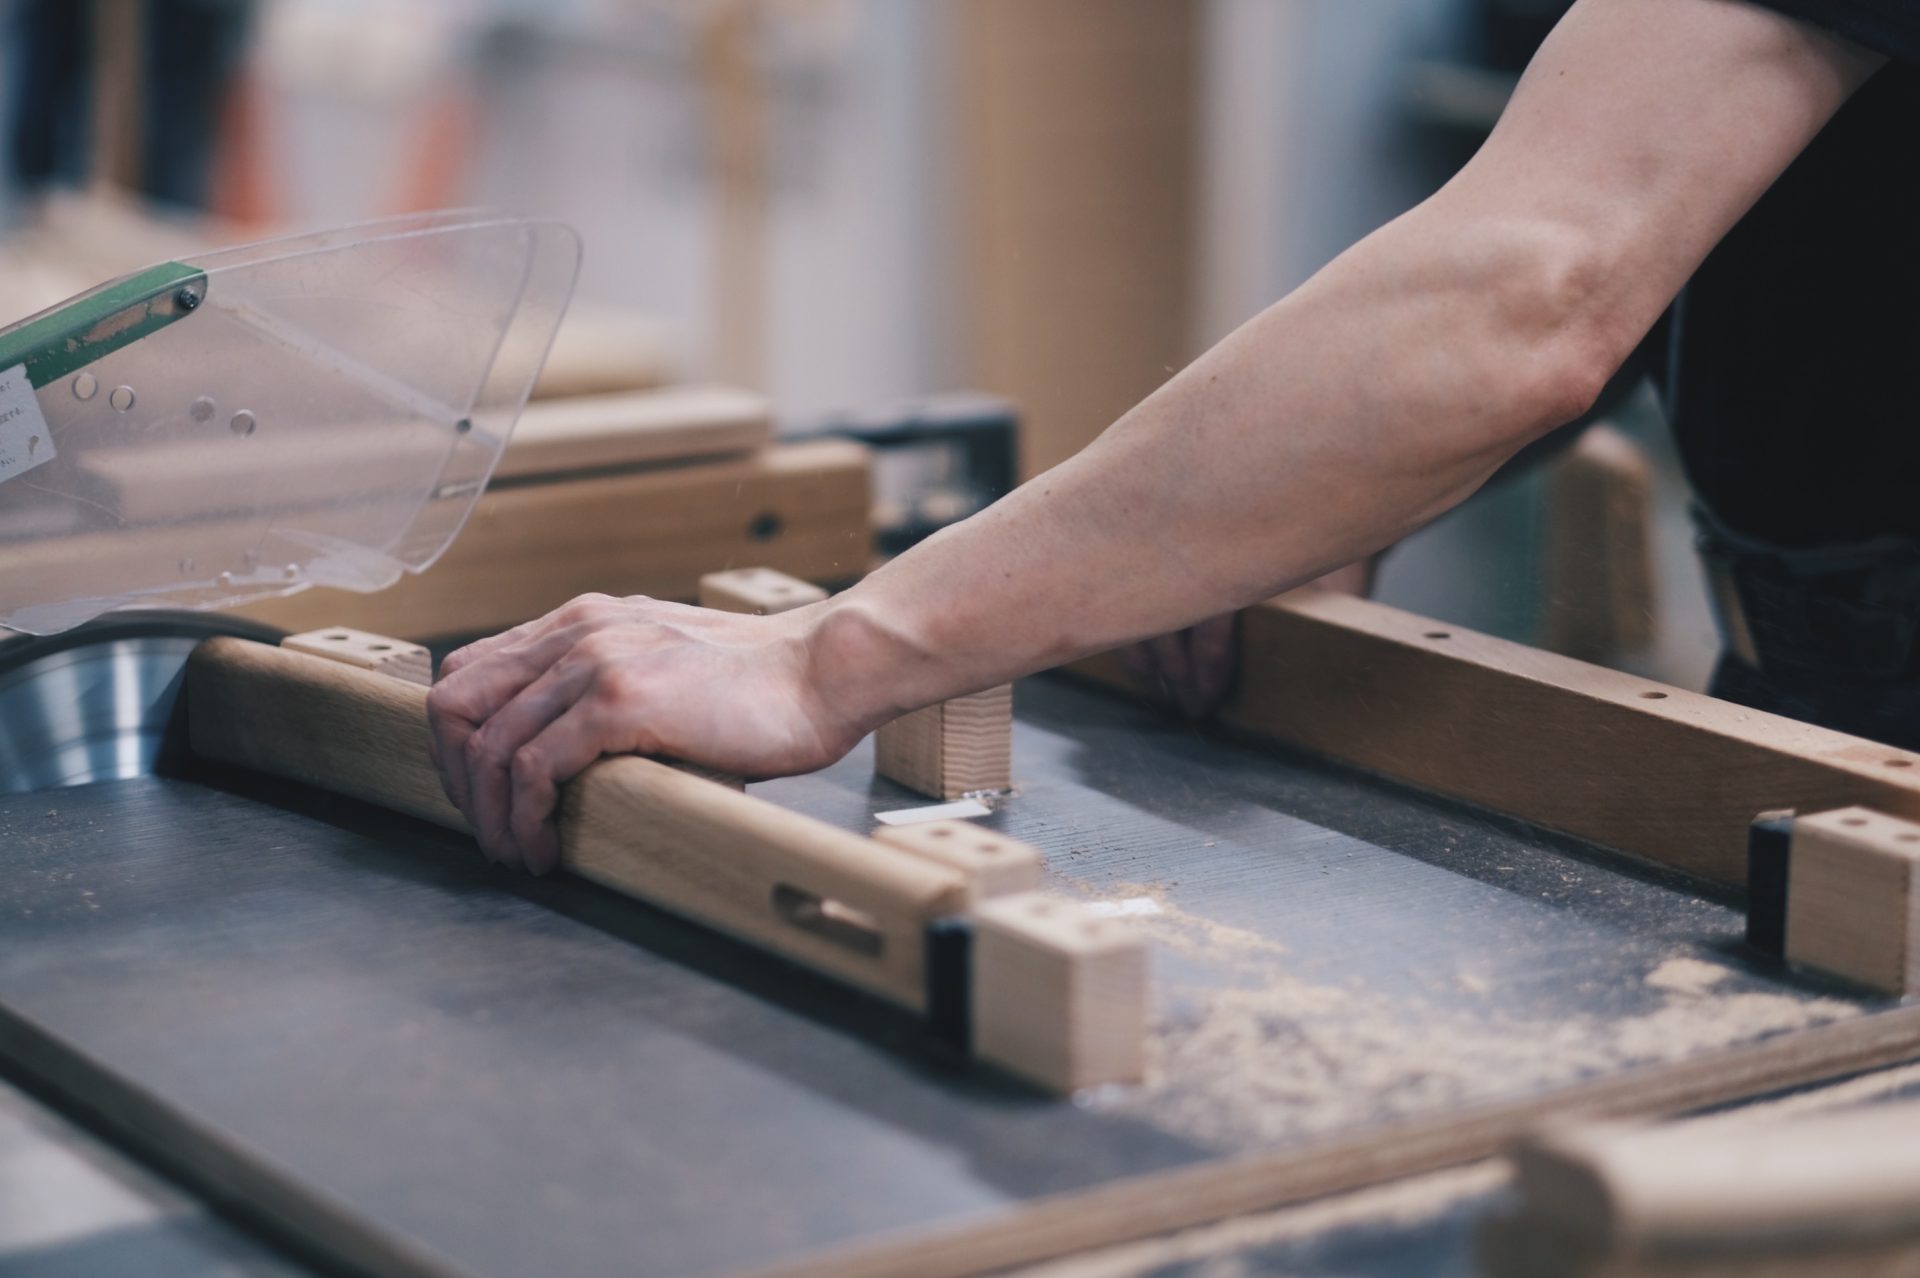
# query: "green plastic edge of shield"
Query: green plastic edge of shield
{"points": [[102, 322]]}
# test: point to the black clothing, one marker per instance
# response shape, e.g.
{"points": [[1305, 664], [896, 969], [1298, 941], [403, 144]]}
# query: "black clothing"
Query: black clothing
{"points": [[1890, 26], [1794, 377]]}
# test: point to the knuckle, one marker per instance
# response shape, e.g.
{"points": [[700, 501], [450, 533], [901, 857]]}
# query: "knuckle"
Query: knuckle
{"points": [[480, 751], [528, 768]]}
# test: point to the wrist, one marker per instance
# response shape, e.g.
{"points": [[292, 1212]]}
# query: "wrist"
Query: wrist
{"points": [[865, 667]]}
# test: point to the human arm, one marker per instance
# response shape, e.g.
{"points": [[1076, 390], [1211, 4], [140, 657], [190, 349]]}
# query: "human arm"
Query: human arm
{"points": [[1381, 392]]}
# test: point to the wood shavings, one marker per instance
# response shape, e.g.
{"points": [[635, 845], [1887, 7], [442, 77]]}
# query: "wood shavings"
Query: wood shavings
{"points": [[1261, 1056]]}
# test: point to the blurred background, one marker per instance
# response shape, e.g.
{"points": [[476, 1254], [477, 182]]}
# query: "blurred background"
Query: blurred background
{"points": [[843, 203]]}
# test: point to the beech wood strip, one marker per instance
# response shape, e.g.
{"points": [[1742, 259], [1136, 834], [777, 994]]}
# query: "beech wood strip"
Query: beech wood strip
{"points": [[835, 901], [1617, 760], [591, 432], [1143, 1206], [527, 549]]}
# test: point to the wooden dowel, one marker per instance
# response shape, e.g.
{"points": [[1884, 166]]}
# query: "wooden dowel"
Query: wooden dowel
{"points": [[835, 901]]}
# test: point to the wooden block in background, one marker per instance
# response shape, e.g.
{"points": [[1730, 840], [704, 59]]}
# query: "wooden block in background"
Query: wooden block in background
{"points": [[959, 747], [1852, 905], [379, 653], [1059, 992], [596, 432], [759, 591], [529, 548], [994, 865], [1598, 592]]}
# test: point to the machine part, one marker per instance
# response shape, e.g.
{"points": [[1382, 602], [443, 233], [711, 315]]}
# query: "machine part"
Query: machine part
{"points": [[937, 460], [97, 702], [329, 403]]}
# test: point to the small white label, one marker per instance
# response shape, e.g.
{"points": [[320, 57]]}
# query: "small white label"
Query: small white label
{"points": [[25, 441], [937, 812]]}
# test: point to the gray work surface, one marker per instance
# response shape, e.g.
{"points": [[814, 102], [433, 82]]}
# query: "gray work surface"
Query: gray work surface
{"points": [[533, 1078]]}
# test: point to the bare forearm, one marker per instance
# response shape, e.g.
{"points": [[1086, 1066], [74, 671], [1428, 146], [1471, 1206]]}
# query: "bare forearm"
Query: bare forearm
{"points": [[1392, 384]]}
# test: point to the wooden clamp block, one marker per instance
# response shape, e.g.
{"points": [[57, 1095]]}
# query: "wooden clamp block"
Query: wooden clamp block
{"points": [[1852, 904], [378, 653], [993, 864], [760, 591], [959, 747], [1059, 992]]}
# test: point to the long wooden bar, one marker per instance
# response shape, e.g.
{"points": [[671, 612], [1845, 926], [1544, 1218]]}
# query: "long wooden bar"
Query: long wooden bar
{"points": [[835, 901], [1633, 765]]}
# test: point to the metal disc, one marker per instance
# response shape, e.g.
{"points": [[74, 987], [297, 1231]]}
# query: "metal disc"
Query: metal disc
{"points": [[97, 702]]}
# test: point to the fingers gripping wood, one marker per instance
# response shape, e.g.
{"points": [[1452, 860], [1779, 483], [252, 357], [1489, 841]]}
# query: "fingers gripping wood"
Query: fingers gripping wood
{"points": [[835, 901]]}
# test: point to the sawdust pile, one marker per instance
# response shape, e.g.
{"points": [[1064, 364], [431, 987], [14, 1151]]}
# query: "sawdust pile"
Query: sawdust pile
{"points": [[1267, 1056]]}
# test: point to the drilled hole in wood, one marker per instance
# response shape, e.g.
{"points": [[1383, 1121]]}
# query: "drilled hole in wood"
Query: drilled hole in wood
{"points": [[379, 647], [939, 834], [1853, 821], [1439, 634], [1654, 696], [765, 526], [1910, 838], [337, 638], [1899, 763], [831, 920], [988, 848]]}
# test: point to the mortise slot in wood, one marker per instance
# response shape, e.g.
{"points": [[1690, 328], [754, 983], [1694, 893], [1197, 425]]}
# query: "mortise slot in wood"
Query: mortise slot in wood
{"points": [[845, 926]]}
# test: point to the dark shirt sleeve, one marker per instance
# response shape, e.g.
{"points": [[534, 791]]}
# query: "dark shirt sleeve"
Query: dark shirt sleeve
{"points": [[1890, 26]]}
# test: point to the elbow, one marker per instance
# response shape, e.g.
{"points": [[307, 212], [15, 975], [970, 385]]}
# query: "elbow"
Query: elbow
{"points": [[1557, 335]]}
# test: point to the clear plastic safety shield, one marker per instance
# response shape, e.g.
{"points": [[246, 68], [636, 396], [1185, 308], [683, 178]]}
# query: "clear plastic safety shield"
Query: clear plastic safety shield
{"points": [[319, 410]]}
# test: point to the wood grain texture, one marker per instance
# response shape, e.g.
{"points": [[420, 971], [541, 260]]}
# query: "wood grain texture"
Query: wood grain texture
{"points": [[595, 432], [760, 592], [1852, 907], [1615, 1195], [834, 901], [1597, 591], [959, 747], [1148, 1205], [1078, 150], [377, 653], [1059, 993], [993, 864], [526, 550], [1630, 764]]}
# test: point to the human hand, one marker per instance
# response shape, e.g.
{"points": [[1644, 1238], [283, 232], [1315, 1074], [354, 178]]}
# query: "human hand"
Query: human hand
{"points": [[516, 716]]}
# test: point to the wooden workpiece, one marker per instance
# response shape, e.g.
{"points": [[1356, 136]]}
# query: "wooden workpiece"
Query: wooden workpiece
{"points": [[758, 591], [837, 902], [1059, 992], [1059, 996], [378, 653], [1624, 762], [994, 864], [1853, 903], [1810, 1191], [948, 751], [1597, 586], [528, 548], [605, 432]]}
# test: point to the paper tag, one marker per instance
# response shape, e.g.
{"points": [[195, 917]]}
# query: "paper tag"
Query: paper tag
{"points": [[25, 441]]}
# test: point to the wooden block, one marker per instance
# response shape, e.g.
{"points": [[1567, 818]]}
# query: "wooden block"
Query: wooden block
{"points": [[759, 591], [831, 900], [993, 864], [601, 432], [1720, 1187], [527, 549], [378, 653], [959, 747], [1059, 993], [1852, 907], [1613, 758], [1597, 572]]}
